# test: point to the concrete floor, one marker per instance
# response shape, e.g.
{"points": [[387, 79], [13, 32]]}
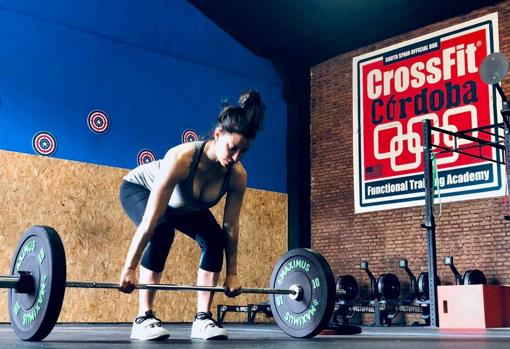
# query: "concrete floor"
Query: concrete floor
{"points": [[113, 336]]}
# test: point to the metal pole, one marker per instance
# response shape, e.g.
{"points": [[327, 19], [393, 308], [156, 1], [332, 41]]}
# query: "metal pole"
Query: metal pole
{"points": [[505, 113], [9, 281], [501, 92], [430, 223]]}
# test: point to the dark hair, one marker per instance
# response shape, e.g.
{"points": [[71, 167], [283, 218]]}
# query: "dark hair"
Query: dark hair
{"points": [[245, 119]]}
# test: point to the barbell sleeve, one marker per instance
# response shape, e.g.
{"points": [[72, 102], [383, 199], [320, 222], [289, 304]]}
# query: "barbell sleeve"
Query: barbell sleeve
{"points": [[9, 281]]}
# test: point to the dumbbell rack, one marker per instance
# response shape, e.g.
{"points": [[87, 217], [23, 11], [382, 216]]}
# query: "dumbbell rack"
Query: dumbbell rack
{"points": [[502, 151]]}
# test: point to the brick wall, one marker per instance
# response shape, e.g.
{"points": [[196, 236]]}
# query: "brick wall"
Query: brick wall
{"points": [[472, 231]]}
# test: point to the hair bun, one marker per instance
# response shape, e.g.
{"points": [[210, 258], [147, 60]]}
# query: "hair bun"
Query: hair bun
{"points": [[245, 119], [250, 99]]}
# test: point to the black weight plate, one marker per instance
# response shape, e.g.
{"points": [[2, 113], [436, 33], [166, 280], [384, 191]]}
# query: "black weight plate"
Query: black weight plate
{"points": [[423, 286], [349, 284], [388, 286], [474, 277], [41, 253], [308, 316]]}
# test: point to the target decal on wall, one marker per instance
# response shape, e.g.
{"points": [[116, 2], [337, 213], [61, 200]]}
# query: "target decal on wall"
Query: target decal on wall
{"points": [[189, 135], [44, 143], [98, 121], [145, 156]]}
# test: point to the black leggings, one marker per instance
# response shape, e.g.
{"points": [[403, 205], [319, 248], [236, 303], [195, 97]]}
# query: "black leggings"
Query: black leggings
{"points": [[199, 225]]}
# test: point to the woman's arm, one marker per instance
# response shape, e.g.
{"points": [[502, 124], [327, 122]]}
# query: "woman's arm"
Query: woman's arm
{"points": [[231, 214], [174, 166]]}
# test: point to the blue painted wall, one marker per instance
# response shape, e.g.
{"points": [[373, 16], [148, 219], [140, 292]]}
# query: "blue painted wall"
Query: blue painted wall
{"points": [[155, 67]]}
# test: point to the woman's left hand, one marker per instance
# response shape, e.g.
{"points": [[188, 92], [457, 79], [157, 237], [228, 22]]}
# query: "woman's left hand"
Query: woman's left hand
{"points": [[232, 286]]}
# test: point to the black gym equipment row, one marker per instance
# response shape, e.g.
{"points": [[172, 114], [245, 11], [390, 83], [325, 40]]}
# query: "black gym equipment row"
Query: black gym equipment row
{"points": [[383, 299]]}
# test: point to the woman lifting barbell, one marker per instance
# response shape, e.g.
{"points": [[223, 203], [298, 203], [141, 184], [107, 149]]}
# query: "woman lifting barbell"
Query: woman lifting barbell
{"points": [[176, 193]]}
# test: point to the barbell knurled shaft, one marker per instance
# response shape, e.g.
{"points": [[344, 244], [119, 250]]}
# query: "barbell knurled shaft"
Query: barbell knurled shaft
{"points": [[168, 287], [163, 287]]}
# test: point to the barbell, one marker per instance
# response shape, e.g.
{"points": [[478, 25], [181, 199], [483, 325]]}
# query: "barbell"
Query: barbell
{"points": [[301, 291]]}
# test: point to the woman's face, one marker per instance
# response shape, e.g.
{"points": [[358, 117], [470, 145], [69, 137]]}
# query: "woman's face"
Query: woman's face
{"points": [[230, 146]]}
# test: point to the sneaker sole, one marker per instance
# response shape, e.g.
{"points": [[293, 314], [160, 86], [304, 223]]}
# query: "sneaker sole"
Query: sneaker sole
{"points": [[213, 338], [157, 338]]}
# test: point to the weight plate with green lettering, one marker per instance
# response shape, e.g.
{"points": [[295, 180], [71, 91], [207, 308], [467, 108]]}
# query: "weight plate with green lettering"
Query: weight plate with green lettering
{"points": [[309, 314], [40, 252]]}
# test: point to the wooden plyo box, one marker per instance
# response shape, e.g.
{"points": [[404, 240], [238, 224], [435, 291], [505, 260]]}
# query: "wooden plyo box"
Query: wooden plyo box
{"points": [[473, 306]]}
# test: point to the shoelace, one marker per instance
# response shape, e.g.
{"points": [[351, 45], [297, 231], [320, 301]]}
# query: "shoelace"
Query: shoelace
{"points": [[149, 315], [207, 316], [213, 324]]}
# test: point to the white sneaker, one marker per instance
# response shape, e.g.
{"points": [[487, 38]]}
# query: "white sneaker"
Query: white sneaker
{"points": [[148, 327], [204, 327]]}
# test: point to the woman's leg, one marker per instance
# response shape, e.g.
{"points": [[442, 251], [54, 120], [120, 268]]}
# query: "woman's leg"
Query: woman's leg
{"points": [[202, 227], [134, 200], [146, 297], [204, 298], [153, 263]]}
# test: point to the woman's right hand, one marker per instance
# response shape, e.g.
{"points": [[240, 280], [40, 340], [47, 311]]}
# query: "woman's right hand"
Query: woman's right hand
{"points": [[127, 281]]}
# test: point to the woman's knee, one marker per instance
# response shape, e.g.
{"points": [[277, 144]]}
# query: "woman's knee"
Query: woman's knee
{"points": [[212, 252]]}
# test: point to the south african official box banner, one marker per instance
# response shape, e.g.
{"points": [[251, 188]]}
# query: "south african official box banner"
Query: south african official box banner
{"points": [[436, 77]]}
